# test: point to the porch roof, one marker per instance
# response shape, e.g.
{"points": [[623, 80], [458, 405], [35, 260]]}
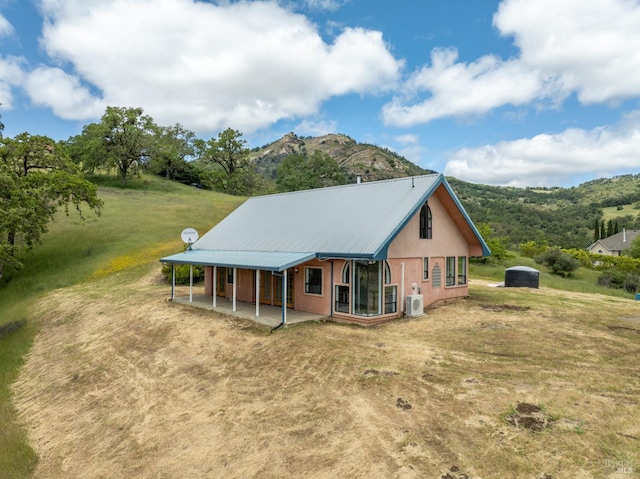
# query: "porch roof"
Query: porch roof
{"points": [[263, 260]]}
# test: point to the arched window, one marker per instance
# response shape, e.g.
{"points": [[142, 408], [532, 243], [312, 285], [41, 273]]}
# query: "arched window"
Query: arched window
{"points": [[346, 273], [387, 273], [426, 222]]}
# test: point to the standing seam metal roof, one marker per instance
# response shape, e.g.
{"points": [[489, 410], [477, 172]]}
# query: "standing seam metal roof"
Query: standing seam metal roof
{"points": [[356, 220]]}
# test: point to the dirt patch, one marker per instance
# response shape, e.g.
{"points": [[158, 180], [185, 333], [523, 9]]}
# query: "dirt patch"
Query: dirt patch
{"points": [[455, 473], [375, 372], [529, 416], [624, 328], [403, 404], [504, 307]]}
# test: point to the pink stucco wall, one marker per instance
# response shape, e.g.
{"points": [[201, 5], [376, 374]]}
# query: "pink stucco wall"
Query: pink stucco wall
{"points": [[408, 249]]}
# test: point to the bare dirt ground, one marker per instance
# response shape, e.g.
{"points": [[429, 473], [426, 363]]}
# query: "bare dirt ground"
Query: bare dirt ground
{"points": [[121, 383]]}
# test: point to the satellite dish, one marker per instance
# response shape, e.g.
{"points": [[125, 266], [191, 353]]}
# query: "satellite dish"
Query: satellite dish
{"points": [[189, 236]]}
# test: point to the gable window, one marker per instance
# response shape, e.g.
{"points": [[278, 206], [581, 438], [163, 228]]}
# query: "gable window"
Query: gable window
{"points": [[313, 280], [450, 274], [462, 270], [426, 222], [425, 268], [387, 273]]}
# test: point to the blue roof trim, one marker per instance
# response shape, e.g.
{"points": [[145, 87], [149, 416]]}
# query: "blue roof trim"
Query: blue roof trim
{"points": [[485, 249], [382, 251], [325, 255], [265, 261]]}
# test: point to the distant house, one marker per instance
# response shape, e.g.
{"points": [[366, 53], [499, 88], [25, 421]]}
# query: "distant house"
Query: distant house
{"points": [[352, 253], [613, 245]]}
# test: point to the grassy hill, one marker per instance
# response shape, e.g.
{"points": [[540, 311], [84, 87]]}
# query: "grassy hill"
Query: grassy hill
{"points": [[120, 383]]}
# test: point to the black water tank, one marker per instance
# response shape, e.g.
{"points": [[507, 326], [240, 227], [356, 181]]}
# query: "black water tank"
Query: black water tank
{"points": [[521, 277]]}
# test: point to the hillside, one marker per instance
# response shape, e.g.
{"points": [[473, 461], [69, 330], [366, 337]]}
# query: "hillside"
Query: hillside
{"points": [[561, 216], [369, 161]]}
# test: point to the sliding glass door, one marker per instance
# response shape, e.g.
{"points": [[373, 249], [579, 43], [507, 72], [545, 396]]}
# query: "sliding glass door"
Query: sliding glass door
{"points": [[367, 287]]}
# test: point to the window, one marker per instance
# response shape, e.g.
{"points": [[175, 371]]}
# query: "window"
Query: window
{"points": [[426, 222], [390, 299], [230, 275], [436, 277], [462, 270], [313, 280], [425, 268], [387, 273], [346, 273], [450, 271], [342, 299]]}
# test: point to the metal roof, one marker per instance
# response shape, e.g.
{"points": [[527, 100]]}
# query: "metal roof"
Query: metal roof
{"points": [[266, 261], [354, 221]]}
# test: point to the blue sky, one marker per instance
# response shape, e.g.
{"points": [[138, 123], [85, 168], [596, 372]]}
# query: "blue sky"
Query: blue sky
{"points": [[512, 92]]}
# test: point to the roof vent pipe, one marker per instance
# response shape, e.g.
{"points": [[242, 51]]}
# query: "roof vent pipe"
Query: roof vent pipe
{"points": [[358, 179]]}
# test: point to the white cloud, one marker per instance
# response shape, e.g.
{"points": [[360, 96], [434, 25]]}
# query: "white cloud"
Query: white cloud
{"points": [[552, 160], [68, 99], [408, 139], [590, 48], [459, 89], [6, 28], [244, 65], [11, 74], [316, 128], [324, 4]]}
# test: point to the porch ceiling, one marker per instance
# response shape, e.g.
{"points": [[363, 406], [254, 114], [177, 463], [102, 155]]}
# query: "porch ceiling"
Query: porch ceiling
{"points": [[262, 260]]}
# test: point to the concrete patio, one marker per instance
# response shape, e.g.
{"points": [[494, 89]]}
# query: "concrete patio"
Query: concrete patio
{"points": [[268, 315]]}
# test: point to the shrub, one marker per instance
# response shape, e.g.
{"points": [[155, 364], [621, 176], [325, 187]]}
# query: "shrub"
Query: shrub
{"points": [[617, 279], [559, 262], [8, 328], [182, 273], [531, 249]]}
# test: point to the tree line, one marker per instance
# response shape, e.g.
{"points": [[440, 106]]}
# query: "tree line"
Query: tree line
{"points": [[126, 141], [39, 175]]}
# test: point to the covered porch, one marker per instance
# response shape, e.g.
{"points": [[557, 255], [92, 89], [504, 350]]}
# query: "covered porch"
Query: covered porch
{"points": [[268, 315]]}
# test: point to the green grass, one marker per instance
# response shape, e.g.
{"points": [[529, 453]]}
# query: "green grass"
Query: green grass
{"points": [[612, 212], [582, 280], [141, 221]]}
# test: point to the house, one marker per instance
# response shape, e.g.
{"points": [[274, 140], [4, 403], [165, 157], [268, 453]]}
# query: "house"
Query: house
{"points": [[613, 245], [353, 253]]}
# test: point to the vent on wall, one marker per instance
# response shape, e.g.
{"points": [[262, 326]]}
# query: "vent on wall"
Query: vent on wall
{"points": [[415, 305]]}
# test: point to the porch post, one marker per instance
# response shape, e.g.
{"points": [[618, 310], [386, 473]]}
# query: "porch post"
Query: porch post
{"points": [[173, 281], [402, 300], [235, 287], [257, 292], [284, 296], [215, 285], [191, 283]]}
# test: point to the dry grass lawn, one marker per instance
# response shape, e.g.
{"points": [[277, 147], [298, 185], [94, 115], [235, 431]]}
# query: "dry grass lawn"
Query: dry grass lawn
{"points": [[121, 383]]}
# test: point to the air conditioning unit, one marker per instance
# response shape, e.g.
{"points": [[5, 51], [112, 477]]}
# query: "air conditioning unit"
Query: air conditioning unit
{"points": [[415, 305]]}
